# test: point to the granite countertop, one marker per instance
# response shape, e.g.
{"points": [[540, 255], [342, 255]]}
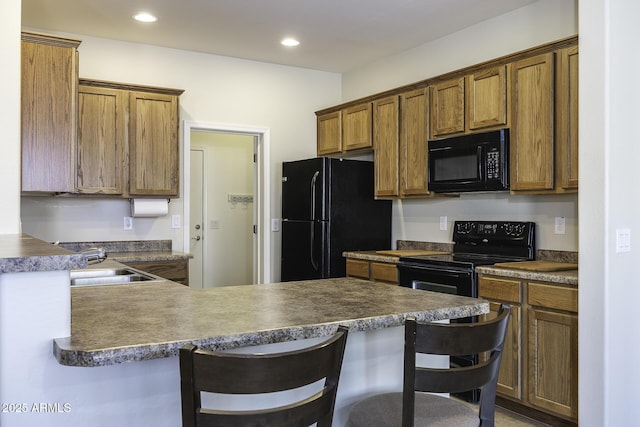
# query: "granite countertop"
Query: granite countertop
{"points": [[371, 256], [567, 277], [133, 251], [125, 323], [21, 253]]}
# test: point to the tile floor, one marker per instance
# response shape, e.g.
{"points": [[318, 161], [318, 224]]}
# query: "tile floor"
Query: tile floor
{"points": [[506, 418]]}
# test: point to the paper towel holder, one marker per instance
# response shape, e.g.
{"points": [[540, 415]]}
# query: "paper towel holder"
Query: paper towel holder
{"points": [[149, 208]]}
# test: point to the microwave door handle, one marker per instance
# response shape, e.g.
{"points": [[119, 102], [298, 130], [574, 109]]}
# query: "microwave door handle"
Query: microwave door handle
{"points": [[481, 162]]}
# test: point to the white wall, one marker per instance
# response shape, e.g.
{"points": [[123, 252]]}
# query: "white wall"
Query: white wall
{"points": [[10, 117], [217, 89], [539, 23], [609, 157]]}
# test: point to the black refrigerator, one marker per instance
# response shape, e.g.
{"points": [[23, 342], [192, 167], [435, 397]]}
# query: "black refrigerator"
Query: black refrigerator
{"points": [[328, 207]]}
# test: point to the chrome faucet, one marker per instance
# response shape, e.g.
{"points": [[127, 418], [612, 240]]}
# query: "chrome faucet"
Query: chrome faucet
{"points": [[94, 255]]}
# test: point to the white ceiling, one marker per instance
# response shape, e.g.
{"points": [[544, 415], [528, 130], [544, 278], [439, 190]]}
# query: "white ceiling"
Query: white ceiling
{"points": [[335, 35]]}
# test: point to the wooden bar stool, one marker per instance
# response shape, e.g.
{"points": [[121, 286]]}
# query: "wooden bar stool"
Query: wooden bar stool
{"points": [[408, 408], [233, 373]]}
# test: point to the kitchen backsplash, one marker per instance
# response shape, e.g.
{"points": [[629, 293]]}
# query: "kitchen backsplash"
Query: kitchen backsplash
{"points": [[121, 246]]}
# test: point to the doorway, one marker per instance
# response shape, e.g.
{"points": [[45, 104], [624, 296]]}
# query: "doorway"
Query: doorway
{"points": [[227, 202]]}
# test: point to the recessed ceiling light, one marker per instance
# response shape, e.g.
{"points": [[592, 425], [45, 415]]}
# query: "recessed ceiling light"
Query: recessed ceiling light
{"points": [[144, 17], [290, 42]]}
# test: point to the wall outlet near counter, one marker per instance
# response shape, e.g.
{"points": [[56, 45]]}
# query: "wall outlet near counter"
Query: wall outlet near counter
{"points": [[128, 223], [443, 223], [560, 225]]}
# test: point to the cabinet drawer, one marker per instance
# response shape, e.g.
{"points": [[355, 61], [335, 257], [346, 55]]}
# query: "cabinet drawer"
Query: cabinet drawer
{"points": [[384, 272], [500, 289], [552, 296], [358, 268]]}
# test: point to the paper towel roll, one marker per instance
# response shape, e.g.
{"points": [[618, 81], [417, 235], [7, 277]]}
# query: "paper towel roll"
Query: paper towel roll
{"points": [[149, 207]]}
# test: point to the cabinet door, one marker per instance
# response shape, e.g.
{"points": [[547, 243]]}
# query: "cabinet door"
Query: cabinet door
{"points": [[531, 138], [356, 127], [447, 108], [101, 140], [49, 85], [553, 362], [508, 291], [487, 98], [153, 144], [357, 268], [386, 134], [414, 174], [384, 272], [567, 118], [329, 133]]}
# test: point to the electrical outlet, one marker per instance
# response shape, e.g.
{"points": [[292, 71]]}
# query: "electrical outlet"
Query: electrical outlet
{"points": [[275, 224], [443, 223], [560, 225], [175, 221], [128, 223]]}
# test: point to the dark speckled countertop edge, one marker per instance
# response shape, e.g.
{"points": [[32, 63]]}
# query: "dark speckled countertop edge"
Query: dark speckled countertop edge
{"points": [[21, 253], [273, 313]]}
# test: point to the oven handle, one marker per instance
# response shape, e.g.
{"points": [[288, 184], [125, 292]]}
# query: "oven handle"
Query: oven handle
{"points": [[434, 287], [448, 270]]}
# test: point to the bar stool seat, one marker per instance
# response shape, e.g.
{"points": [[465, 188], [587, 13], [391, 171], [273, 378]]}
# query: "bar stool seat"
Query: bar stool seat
{"points": [[414, 406]]}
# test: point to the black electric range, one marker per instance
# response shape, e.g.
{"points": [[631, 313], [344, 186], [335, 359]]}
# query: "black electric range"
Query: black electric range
{"points": [[474, 243]]}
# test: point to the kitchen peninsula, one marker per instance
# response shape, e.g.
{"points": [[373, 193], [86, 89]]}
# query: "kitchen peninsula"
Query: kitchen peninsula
{"points": [[97, 331]]}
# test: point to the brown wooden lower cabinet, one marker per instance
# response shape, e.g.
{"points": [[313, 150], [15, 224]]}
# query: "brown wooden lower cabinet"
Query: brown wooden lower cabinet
{"points": [[372, 270], [177, 271], [540, 359]]}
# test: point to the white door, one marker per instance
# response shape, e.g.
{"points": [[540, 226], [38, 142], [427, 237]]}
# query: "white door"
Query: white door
{"points": [[196, 223], [226, 200]]}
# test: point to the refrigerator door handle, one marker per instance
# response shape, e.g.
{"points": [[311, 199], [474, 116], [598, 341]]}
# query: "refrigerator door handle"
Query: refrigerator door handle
{"points": [[313, 196], [312, 245]]}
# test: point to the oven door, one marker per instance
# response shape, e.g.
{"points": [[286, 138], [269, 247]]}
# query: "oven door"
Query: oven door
{"points": [[451, 280], [437, 278]]}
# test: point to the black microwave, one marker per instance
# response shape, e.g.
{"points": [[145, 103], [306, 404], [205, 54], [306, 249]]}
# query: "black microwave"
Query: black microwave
{"points": [[475, 162]]}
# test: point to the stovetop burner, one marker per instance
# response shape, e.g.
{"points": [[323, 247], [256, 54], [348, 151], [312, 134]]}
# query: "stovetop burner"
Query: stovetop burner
{"points": [[484, 243]]}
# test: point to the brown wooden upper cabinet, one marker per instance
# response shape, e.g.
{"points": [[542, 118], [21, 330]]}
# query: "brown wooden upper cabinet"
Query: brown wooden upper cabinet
{"points": [[470, 103], [531, 136], [533, 93], [487, 99], [48, 91], [128, 140], [414, 176], [102, 138], [400, 129], [567, 119], [386, 136], [356, 127], [544, 133], [329, 133], [153, 144], [447, 108], [349, 129]]}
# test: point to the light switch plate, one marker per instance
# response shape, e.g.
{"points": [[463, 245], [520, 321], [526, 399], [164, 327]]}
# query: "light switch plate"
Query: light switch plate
{"points": [[275, 224], [623, 240], [175, 221]]}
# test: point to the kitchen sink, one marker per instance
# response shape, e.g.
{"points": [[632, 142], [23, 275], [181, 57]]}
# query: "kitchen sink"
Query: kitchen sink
{"points": [[108, 276]]}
